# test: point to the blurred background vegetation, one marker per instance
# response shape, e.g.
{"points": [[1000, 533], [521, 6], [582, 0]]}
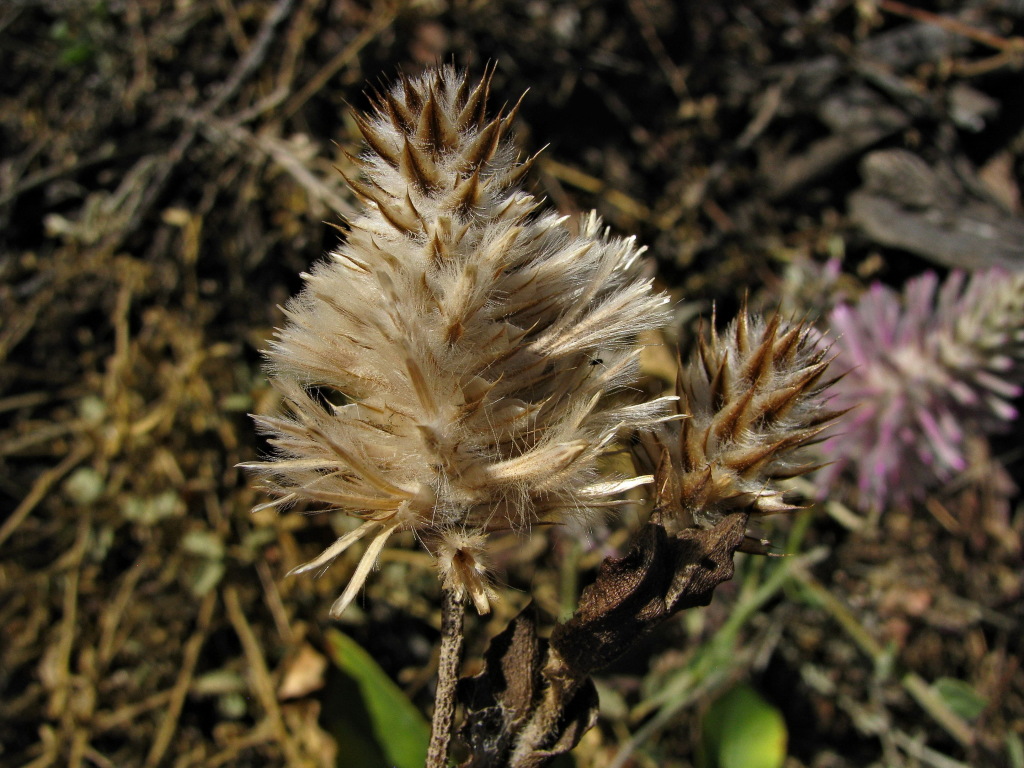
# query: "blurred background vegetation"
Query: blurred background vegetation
{"points": [[166, 175]]}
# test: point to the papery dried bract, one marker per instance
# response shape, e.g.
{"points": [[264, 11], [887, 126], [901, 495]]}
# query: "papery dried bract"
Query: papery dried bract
{"points": [[750, 399], [454, 332]]}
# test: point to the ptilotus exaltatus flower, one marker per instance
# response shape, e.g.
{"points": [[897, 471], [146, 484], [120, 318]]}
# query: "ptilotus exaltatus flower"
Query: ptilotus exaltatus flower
{"points": [[931, 369], [475, 347], [753, 398]]}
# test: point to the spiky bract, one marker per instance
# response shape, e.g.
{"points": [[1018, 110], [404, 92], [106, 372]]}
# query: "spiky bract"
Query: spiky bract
{"points": [[931, 369], [471, 348], [750, 400]]}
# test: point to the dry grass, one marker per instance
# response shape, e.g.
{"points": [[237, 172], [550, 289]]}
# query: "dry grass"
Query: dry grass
{"points": [[166, 176]]}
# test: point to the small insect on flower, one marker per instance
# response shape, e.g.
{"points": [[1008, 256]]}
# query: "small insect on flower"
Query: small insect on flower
{"points": [[459, 329]]}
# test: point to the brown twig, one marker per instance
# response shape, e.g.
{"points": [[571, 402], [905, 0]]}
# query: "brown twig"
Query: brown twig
{"points": [[260, 679], [383, 20], [169, 724], [165, 166], [46, 481], [955, 26], [674, 75], [453, 611]]}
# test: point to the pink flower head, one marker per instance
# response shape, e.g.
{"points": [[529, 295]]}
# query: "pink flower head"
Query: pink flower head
{"points": [[929, 369]]}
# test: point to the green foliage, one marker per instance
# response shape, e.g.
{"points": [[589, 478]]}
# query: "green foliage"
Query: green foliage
{"points": [[207, 548], [150, 510], [399, 730], [960, 697], [84, 486], [1014, 750], [742, 730], [75, 31]]}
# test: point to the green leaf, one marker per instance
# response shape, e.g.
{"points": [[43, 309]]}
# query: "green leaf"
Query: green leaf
{"points": [[84, 486], [80, 52], [203, 543], [206, 576], [150, 510], [960, 697], [1014, 750], [399, 728], [742, 730]]}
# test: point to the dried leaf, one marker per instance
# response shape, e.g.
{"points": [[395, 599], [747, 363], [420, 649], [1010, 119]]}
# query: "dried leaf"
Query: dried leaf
{"points": [[511, 692], [659, 576], [534, 699]]}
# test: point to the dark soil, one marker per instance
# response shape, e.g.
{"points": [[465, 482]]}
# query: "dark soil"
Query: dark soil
{"points": [[166, 175]]}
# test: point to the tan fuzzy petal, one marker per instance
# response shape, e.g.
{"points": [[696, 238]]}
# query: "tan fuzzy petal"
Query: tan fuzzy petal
{"points": [[366, 563], [328, 556]]}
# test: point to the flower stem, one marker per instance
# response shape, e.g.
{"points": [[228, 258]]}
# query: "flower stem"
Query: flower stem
{"points": [[452, 612]]}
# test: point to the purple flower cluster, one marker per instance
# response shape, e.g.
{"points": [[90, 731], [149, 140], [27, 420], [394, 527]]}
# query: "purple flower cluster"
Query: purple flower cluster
{"points": [[930, 370]]}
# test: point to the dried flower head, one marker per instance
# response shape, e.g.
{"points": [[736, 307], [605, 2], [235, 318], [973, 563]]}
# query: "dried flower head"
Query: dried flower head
{"points": [[471, 349], [932, 369], [752, 398]]}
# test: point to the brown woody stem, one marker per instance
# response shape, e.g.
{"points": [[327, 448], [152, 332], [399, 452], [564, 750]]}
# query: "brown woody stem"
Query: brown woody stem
{"points": [[452, 612]]}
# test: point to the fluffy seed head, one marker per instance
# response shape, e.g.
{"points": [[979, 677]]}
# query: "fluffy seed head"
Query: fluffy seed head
{"points": [[933, 368], [453, 368], [749, 401]]}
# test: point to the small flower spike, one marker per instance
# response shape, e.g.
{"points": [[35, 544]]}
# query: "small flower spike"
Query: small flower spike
{"points": [[436, 370], [932, 369], [749, 401]]}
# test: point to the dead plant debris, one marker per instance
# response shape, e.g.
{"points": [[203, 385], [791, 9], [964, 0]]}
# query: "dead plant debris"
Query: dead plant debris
{"points": [[166, 175]]}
